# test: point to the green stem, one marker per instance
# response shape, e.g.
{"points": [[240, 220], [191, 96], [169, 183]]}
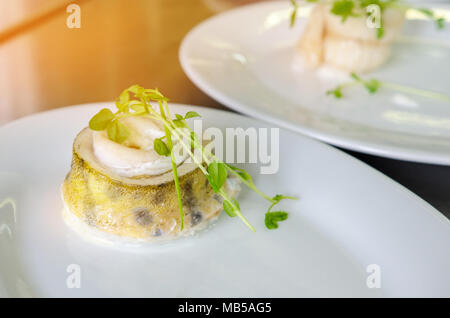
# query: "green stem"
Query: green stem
{"points": [[174, 167], [177, 188], [167, 125], [237, 210], [416, 91], [250, 185]]}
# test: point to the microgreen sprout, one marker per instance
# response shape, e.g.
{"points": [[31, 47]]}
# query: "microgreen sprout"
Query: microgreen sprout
{"points": [[373, 85], [273, 217], [138, 101], [440, 21], [351, 8]]}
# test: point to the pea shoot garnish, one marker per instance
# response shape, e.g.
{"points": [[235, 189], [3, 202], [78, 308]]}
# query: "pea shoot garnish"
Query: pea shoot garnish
{"points": [[273, 217], [138, 101], [373, 85], [353, 8]]}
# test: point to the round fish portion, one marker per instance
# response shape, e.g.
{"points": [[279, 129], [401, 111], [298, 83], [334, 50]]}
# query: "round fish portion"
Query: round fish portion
{"points": [[144, 209]]}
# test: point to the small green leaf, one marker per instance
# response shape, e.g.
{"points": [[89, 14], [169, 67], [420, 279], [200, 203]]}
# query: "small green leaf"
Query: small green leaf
{"points": [[191, 115], [372, 85], [278, 198], [343, 8], [117, 131], [194, 140], [272, 218], [123, 108], [440, 22], [356, 77], [229, 209], [212, 183], [155, 95], [218, 173], [380, 32], [136, 89], [236, 204], [161, 147], [242, 173], [337, 92], [426, 11], [138, 107], [293, 17], [124, 97], [101, 120], [179, 121]]}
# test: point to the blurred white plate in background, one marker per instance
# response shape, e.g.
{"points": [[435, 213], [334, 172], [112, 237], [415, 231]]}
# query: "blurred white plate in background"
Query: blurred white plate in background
{"points": [[245, 58]]}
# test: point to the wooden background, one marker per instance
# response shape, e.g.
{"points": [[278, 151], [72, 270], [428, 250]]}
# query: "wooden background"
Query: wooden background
{"points": [[44, 64]]}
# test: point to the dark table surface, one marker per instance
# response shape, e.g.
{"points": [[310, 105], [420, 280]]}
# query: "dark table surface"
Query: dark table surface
{"points": [[430, 182]]}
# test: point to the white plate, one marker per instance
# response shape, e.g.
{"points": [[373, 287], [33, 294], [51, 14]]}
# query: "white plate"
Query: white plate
{"points": [[245, 59], [349, 216]]}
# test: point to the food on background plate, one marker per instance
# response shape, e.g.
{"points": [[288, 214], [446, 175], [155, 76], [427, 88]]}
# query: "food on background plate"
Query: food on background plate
{"points": [[352, 35], [136, 177], [349, 45], [355, 36]]}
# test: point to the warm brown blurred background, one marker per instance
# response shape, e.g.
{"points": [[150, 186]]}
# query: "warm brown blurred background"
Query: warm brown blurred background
{"points": [[44, 64]]}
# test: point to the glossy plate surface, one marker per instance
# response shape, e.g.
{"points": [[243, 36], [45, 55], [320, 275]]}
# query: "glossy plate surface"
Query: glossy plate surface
{"points": [[348, 217], [246, 59]]}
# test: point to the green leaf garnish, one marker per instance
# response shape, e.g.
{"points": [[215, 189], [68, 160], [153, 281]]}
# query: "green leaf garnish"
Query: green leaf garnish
{"points": [[101, 120], [117, 131], [155, 95], [122, 103], [138, 107], [218, 174], [135, 89], [380, 32], [231, 207], [272, 218], [430, 14], [337, 92], [372, 85], [348, 8], [344, 9], [161, 147], [426, 11], [293, 13], [191, 114], [242, 173]]}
